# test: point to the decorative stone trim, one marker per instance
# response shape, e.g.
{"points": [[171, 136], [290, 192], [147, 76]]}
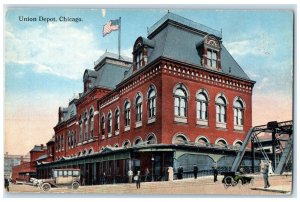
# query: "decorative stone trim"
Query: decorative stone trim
{"points": [[127, 128], [238, 127], [180, 119], [109, 135], [138, 124], [117, 132], [202, 122], [151, 120], [221, 125]]}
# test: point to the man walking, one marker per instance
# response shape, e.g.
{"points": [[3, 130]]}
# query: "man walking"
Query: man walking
{"points": [[130, 175], [195, 171], [215, 171], [266, 176], [137, 179]]}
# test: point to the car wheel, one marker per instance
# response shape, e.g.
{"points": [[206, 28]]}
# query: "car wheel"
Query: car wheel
{"points": [[228, 180], [75, 185], [46, 187]]}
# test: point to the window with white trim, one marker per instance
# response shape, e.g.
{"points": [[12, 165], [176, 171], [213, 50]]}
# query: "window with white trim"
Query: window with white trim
{"points": [[109, 123], [238, 110], [85, 126], [151, 103], [180, 102], [80, 128], [91, 123], [127, 113], [211, 58], [138, 108], [103, 125], [221, 110], [202, 102], [117, 119]]}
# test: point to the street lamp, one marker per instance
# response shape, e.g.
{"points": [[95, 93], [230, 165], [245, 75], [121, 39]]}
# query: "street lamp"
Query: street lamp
{"points": [[152, 160]]}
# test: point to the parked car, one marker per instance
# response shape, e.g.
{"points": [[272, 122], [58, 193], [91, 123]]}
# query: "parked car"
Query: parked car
{"points": [[61, 178]]}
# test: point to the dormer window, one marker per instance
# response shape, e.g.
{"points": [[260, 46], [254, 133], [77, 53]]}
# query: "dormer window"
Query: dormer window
{"points": [[211, 58], [139, 59], [140, 52], [210, 49]]}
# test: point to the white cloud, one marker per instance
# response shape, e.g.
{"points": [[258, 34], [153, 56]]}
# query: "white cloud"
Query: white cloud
{"points": [[58, 48], [259, 44]]}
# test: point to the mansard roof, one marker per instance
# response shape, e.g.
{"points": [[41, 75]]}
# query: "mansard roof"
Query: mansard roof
{"points": [[178, 38]]}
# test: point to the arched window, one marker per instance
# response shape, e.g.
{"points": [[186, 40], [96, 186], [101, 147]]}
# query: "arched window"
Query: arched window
{"points": [[138, 108], [126, 144], [109, 123], [180, 102], [203, 141], [237, 144], [138, 141], [85, 126], [91, 123], [127, 113], [221, 110], [202, 102], [151, 102], [151, 139], [221, 143], [117, 119], [180, 139], [103, 125], [80, 128], [238, 110]]}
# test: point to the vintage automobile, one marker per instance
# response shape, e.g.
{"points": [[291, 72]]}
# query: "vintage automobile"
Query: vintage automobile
{"points": [[233, 179], [61, 178]]}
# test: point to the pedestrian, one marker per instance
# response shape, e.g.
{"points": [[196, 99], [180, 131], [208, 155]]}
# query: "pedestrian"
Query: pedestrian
{"points": [[147, 172], [130, 175], [6, 184], [266, 176], [215, 171], [137, 179], [104, 178], [180, 172], [195, 171]]}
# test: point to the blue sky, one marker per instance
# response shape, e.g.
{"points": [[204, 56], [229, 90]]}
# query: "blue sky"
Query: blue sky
{"points": [[44, 62]]}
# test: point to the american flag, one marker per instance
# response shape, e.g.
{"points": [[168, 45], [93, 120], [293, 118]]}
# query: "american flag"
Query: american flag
{"points": [[110, 26]]}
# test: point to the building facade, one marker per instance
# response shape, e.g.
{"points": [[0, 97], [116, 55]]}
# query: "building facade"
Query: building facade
{"points": [[181, 100], [12, 160]]}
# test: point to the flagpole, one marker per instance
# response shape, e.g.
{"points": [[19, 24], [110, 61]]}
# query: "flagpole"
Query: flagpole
{"points": [[119, 41]]}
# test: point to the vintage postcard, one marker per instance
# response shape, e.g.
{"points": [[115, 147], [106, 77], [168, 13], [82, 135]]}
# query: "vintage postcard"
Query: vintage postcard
{"points": [[148, 101]]}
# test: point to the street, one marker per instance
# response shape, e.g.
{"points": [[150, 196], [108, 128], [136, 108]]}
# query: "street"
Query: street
{"points": [[280, 185]]}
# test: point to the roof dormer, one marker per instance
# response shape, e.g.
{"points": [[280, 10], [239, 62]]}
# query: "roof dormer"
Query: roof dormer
{"points": [[211, 48], [141, 52]]}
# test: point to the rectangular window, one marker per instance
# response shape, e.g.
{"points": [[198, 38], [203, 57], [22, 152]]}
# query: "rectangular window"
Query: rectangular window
{"points": [[209, 57], [176, 105], [203, 111], [182, 108], [212, 58], [55, 173]]}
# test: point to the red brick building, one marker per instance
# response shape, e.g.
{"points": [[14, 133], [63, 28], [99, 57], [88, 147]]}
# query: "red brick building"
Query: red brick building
{"points": [[25, 170], [181, 100]]}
